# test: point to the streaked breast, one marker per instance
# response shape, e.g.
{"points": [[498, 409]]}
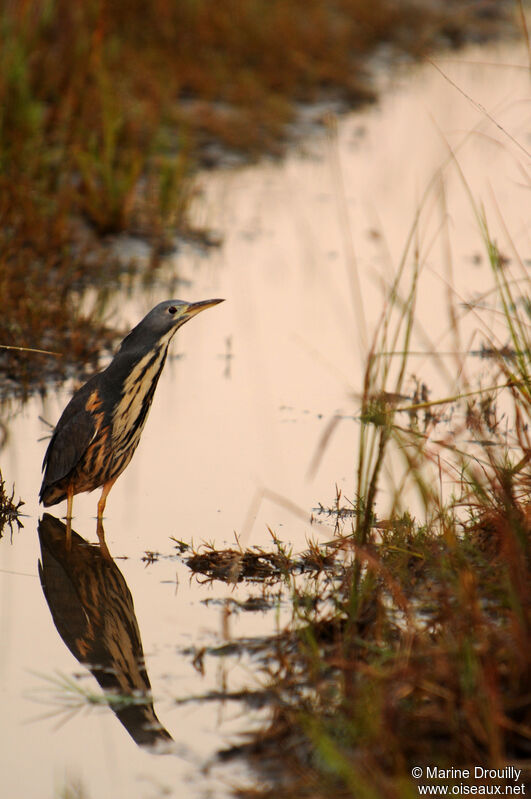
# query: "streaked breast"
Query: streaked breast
{"points": [[131, 412]]}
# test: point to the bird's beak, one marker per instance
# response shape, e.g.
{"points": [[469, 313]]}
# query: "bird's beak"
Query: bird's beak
{"points": [[196, 307]]}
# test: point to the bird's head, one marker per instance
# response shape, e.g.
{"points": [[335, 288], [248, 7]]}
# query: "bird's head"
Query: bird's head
{"points": [[162, 322]]}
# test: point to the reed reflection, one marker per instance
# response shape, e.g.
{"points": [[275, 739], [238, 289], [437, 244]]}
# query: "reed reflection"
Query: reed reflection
{"points": [[92, 609]]}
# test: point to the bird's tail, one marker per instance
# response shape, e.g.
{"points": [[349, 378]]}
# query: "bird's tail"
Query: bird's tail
{"points": [[51, 495]]}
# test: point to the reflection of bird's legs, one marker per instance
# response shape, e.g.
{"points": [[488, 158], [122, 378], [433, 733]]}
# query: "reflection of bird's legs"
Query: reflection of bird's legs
{"points": [[101, 507], [69, 505], [103, 543]]}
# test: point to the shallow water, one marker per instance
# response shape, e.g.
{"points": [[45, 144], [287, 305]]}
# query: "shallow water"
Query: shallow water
{"points": [[237, 418]]}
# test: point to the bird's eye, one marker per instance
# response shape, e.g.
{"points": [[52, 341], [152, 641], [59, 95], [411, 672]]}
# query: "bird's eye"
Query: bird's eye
{"points": [[172, 309]]}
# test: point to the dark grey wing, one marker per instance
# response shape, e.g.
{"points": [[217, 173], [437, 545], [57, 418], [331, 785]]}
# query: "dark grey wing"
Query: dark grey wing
{"points": [[72, 436]]}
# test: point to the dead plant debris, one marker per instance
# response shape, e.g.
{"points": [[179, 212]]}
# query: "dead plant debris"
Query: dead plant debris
{"points": [[380, 692], [9, 510], [256, 564], [413, 648]]}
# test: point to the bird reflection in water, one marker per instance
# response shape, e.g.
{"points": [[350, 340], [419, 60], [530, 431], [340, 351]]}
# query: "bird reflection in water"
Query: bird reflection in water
{"points": [[92, 609]]}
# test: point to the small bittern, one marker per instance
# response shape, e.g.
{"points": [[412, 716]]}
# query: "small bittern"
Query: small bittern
{"points": [[99, 430]]}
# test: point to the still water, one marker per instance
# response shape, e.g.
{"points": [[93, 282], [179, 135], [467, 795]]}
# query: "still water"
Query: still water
{"points": [[236, 422]]}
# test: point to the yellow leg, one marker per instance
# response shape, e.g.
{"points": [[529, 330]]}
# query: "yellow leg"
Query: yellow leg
{"points": [[103, 499], [101, 507], [69, 505]]}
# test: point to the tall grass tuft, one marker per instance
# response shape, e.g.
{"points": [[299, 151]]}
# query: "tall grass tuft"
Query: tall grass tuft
{"points": [[418, 653]]}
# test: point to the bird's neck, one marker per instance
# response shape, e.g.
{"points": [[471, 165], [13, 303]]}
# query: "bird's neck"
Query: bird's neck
{"points": [[140, 372]]}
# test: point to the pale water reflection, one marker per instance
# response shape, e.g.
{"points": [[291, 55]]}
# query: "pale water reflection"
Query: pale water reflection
{"points": [[240, 414]]}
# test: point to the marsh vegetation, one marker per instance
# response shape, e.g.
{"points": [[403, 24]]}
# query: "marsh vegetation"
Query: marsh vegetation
{"points": [[401, 628], [414, 649], [107, 109]]}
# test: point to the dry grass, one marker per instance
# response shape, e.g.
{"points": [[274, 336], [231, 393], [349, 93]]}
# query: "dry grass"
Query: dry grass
{"points": [[257, 564], [417, 652], [9, 510]]}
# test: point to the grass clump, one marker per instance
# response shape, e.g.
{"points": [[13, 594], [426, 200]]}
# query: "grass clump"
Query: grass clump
{"points": [[417, 653], [9, 510]]}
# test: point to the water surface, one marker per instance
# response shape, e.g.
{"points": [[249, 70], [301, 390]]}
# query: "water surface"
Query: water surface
{"points": [[241, 408]]}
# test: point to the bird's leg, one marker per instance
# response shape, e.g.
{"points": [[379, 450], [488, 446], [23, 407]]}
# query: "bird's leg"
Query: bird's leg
{"points": [[101, 507], [69, 505], [103, 499]]}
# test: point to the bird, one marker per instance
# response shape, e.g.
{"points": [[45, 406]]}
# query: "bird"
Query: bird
{"points": [[100, 428]]}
